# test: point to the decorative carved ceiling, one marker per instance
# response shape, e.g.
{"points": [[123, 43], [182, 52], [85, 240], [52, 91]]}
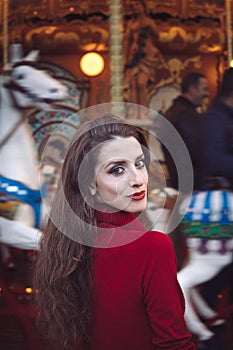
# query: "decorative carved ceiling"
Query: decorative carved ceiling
{"points": [[71, 26]]}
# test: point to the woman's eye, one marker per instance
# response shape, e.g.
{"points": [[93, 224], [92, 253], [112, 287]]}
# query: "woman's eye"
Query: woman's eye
{"points": [[116, 171], [140, 163]]}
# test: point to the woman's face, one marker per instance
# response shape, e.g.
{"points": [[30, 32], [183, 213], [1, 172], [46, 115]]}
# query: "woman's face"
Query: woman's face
{"points": [[121, 175]]}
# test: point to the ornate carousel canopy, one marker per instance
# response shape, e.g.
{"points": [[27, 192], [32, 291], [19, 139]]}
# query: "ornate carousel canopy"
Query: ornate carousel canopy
{"points": [[69, 26]]}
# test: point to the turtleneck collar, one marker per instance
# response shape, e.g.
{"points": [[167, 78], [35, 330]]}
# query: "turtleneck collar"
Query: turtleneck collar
{"points": [[118, 218], [118, 228]]}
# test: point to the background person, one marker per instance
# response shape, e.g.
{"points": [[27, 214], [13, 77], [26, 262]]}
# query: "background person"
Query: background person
{"points": [[216, 169], [216, 128], [121, 293], [184, 116]]}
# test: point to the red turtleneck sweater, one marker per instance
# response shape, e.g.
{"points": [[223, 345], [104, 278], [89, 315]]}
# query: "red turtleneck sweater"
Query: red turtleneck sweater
{"points": [[137, 301]]}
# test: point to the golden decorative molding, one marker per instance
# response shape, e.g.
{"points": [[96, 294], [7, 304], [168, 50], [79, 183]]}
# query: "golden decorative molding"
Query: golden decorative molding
{"points": [[165, 6], [76, 35], [175, 66], [199, 39], [207, 8], [75, 38], [186, 26]]}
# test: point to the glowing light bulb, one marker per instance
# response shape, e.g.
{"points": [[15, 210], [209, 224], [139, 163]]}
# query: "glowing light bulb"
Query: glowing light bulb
{"points": [[92, 64]]}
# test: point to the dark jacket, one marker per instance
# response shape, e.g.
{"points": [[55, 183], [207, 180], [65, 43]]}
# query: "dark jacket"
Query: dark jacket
{"points": [[184, 117], [216, 156]]}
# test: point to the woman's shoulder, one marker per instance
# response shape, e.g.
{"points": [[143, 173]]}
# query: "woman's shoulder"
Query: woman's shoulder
{"points": [[156, 240], [157, 236], [155, 248]]}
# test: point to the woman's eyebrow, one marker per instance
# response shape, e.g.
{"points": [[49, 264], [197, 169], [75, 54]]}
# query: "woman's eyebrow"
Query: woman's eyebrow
{"points": [[119, 162], [140, 157], [122, 162]]}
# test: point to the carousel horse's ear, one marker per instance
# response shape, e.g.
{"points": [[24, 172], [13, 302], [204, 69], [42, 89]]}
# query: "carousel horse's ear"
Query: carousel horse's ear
{"points": [[15, 53], [32, 56]]}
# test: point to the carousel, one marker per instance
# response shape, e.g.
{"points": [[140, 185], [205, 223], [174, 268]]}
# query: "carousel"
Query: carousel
{"points": [[60, 59]]}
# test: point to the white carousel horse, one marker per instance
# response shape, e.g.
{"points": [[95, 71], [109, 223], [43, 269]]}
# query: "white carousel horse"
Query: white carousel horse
{"points": [[208, 226], [23, 87]]}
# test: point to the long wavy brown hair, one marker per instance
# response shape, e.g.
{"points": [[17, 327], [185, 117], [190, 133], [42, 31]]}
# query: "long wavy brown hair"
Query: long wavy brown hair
{"points": [[63, 273]]}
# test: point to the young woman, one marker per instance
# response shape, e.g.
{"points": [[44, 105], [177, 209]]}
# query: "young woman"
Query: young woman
{"points": [[104, 282]]}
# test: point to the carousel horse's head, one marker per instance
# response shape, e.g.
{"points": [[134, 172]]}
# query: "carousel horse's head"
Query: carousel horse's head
{"points": [[26, 81]]}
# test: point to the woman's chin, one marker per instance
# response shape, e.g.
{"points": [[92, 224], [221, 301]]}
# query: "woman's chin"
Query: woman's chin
{"points": [[135, 207]]}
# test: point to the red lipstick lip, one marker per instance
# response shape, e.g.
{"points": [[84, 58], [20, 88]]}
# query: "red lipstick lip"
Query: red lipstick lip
{"points": [[137, 196]]}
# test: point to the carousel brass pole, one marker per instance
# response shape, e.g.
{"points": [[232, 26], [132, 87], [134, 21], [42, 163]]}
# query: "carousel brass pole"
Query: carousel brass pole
{"points": [[5, 31], [116, 58], [229, 31]]}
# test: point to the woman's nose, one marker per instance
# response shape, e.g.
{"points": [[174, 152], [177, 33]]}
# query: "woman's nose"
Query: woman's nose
{"points": [[135, 178]]}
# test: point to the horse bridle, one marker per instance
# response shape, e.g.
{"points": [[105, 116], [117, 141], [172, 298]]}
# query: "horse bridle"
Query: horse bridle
{"points": [[13, 86]]}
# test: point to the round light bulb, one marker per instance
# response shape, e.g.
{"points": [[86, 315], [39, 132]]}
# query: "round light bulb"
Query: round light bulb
{"points": [[92, 64]]}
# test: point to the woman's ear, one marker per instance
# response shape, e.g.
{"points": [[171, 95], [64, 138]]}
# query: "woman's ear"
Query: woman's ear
{"points": [[93, 189]]}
